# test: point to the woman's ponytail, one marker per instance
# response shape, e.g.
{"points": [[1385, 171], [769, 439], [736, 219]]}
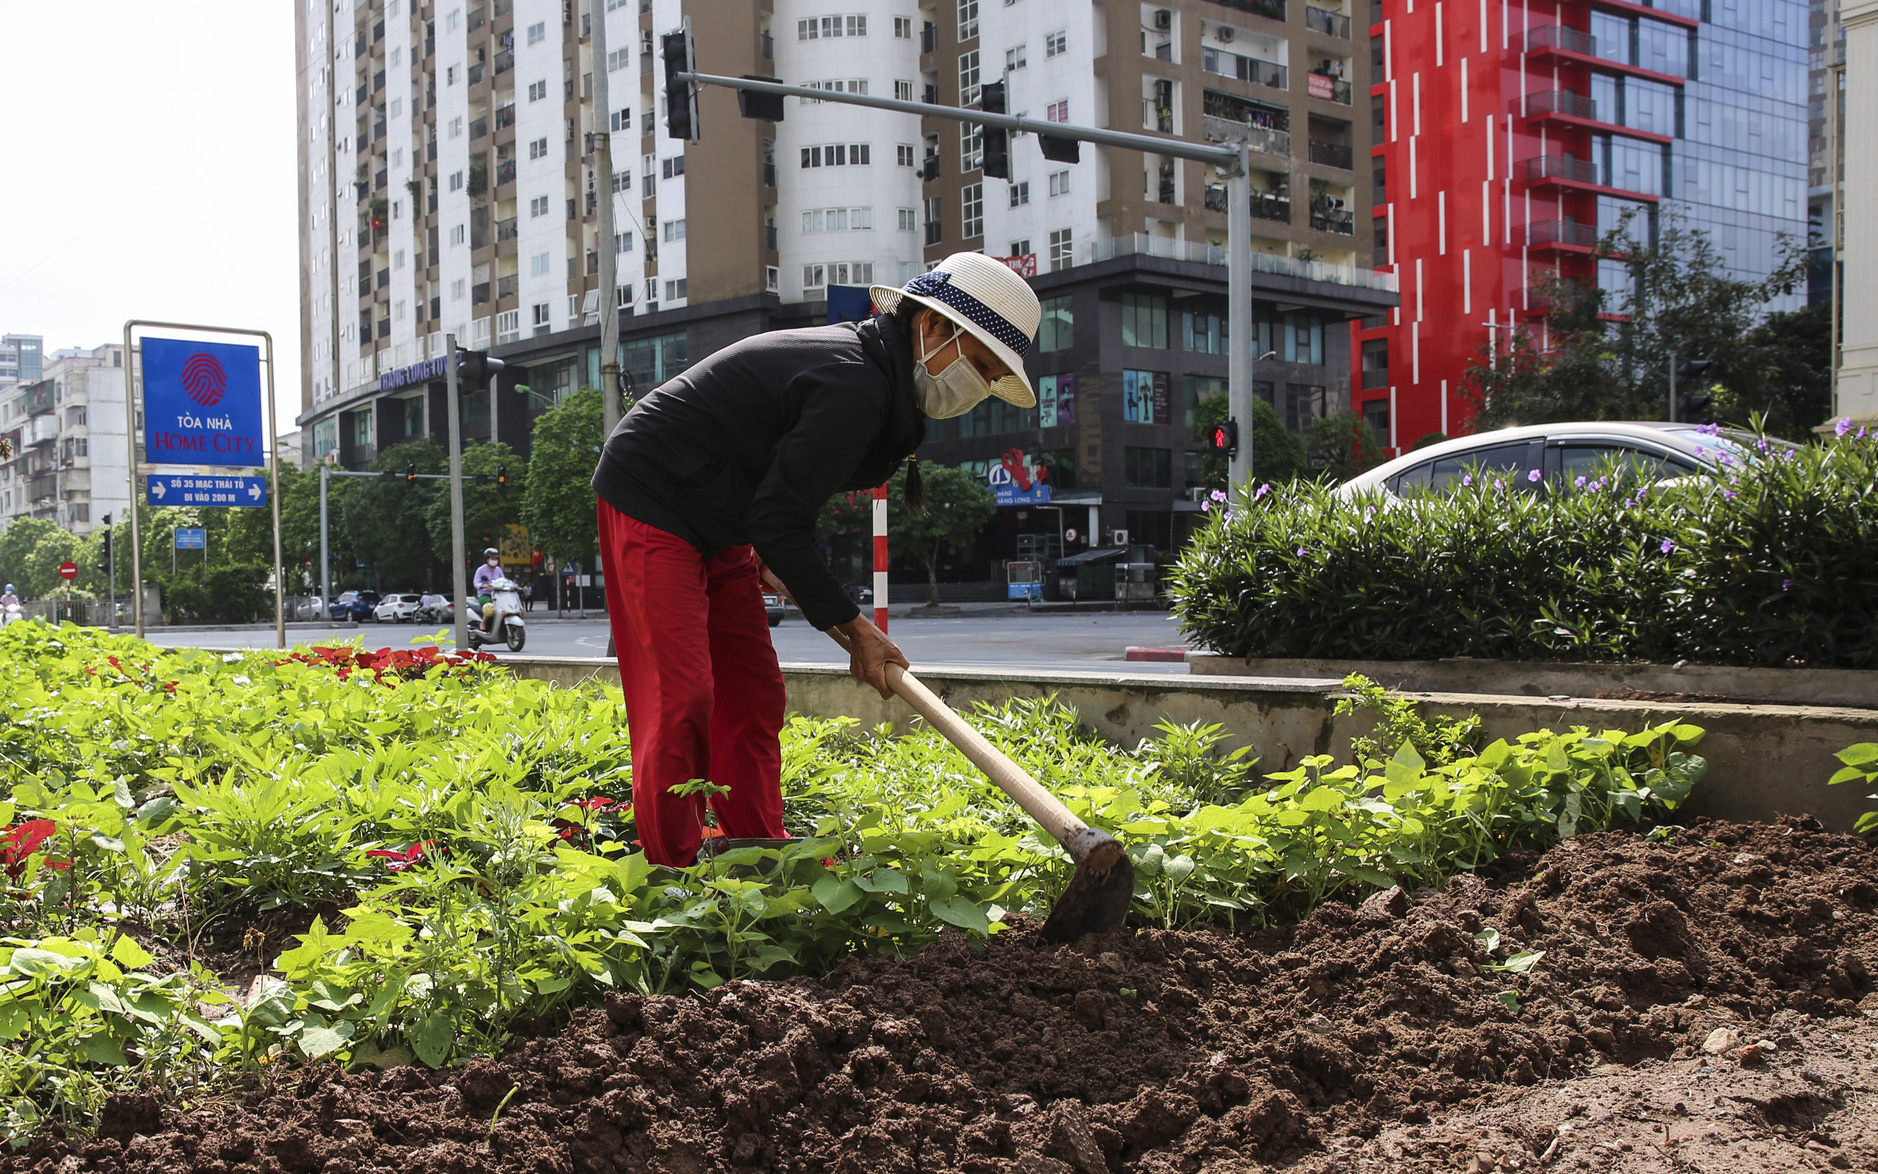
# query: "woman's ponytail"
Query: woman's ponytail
{"points": [[915, 492]]}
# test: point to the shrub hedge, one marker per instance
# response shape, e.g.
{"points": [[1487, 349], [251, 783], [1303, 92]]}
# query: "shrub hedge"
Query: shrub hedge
{"points": [[1774, 562]]}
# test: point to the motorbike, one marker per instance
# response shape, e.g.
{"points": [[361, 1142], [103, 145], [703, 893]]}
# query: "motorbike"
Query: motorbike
{"points": [[506, 624], [439, 612], [10, 613]]}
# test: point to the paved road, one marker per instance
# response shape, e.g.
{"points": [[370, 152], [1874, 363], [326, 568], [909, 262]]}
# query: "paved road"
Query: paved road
{"points": [[979, 638]]}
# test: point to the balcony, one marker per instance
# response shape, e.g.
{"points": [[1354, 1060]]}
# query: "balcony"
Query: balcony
{"points": [[477, 18], [1566, 108], [1260, 138], [43, 487], [365, 287], [769, 175], [505, 116], [479, 128], [506, 287], [506, 230], [505, 61], [1323, 20], [1327, 88], [1574, 175], [1269, 206], [767, 47], [1328, 220], [769, 237], [1269, 9], [1562, 236], [1215, 198], [1551, 39], [476, 72], [42, 429], [1254, 70], [363, 94], [378, 81], [1140, 244], [505, 173], [930, 95], [1332, 154], [479, 293], [929, 38]]}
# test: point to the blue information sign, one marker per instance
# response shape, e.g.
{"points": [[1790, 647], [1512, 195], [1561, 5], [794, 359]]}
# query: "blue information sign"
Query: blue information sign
{"points": [[182, 489], [202, 405], [197, 539]]}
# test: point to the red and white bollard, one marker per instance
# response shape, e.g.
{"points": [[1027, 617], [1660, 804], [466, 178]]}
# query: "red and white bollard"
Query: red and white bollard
{"points": [[880, 558]]}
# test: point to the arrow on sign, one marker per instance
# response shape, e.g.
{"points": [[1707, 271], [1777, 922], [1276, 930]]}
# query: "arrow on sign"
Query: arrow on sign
{"points": [[254, 491], [158, 489]]}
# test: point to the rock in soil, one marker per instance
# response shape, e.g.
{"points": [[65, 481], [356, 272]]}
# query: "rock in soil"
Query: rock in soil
{"points": [[1363, 1041]]}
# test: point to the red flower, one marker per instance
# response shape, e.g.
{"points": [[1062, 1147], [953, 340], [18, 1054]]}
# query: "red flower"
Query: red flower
{"points": [[398, 861], [19, 843]]}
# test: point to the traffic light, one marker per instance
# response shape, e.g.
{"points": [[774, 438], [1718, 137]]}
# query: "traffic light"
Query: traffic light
{"points": [[104, 554], [681, 97], [1693, 406], [502, 476], [410, 472], [1224, 438], [752, 104], [996, 140], [1058, 150], [475, 368]]}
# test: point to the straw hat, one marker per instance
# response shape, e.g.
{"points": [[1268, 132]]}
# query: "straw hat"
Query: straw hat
{"points": [[988, 300]]}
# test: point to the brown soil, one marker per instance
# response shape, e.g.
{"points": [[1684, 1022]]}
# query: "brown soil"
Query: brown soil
{"points": [[1704, 1004]]}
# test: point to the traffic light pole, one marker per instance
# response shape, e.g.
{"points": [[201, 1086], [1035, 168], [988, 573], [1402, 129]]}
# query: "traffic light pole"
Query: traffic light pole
{"points": [[610, 390], [1232, 157], [453, 411]]}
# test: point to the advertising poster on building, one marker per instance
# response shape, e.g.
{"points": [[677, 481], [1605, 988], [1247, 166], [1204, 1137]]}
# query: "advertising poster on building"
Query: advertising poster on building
{"points": [[1056, 400], [202, 403]]}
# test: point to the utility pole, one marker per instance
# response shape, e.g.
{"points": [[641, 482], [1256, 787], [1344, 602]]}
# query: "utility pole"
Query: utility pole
{"points": [[609, 257], [454, 412], [1672, 387], [326, 562]]}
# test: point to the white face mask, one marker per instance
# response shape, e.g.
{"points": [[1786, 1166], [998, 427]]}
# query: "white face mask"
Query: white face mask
{"points": [[954, 391]]}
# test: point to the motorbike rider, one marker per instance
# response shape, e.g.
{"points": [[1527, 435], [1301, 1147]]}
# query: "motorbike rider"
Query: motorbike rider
{"points": [[488, 573]]}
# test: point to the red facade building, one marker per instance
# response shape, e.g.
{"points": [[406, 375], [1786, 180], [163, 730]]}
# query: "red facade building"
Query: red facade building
{"points": [[1508, 137]]}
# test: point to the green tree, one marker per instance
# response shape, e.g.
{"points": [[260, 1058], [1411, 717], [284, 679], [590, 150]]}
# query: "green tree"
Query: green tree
{"points": [[1782, 371], [41, 572], [1341, 445], [16, 543], [1606, 353], [487, 508], [388, 519], [558, 503], [1277, 452], [958, 506]]}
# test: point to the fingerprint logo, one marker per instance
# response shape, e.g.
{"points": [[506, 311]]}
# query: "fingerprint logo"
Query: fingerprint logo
{"points": [[204, 380]]}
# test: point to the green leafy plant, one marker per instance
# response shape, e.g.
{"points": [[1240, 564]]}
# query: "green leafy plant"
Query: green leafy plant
{"points": [[1861, 766], [1399, 720]]}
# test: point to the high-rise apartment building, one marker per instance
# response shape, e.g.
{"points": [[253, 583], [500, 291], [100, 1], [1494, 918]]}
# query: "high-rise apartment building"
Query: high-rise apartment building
{"points": [[21, 358], [449, 188], [1513, 135], [71, 446], [1825, 140]]}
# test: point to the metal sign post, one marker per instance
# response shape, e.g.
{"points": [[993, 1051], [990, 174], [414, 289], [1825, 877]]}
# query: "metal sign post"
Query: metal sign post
{"points": [[454, 413], [213, 430]]}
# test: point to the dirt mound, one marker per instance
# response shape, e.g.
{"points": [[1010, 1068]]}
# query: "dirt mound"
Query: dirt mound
{"points": [[1703, 1002]]}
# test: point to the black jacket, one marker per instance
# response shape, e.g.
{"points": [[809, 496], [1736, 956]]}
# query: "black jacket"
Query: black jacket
{"points": [[748, 444]]}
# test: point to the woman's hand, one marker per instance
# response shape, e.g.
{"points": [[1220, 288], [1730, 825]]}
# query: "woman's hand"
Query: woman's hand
{"points": [[869, 652]]}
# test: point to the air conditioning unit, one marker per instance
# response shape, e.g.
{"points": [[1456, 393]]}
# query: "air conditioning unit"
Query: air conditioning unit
{"points": [[1163, 18], [1225, 32], [1118, 538]]}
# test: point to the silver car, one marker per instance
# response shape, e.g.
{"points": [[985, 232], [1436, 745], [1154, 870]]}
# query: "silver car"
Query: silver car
{"points": [[1560, 454]]}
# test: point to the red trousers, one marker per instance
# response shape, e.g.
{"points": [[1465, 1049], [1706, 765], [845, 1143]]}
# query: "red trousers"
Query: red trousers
{"points": [[704, 694]]}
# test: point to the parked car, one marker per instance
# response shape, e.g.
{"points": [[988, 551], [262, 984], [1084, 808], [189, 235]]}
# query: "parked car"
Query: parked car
{"points": [[862, 595], [340, 609], [397, 609], [357, 608], [308, 607], [1560, 454], [773, 604]]}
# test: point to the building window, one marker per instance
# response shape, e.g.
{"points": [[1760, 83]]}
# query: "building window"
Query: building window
{"points": [[362, 432], [651, 361], [538, 148], [1059, 183], [1202, 332], [972, 210], [1014, 59], [675, 290], [1062, 249], [537, 32], [397, 259], [909, 220], [822, 28], [508, 326], [622, 242], [1019, 248], [618, 59], [456, 181], [903, 155], [538, 207], [456, 290], [538, 265], [537, 90], [1057, 329], [837, 219], [622, 181], [968, 19], [968, 77], [456, 234], [541, 314], [935, 226], [669, 168], [1020, 193], [1144, 320], [456, 127], [903, 91], [903, 27], [971, 147], [1055, 44], [837, 155], [674, 229], [1057, 111], [1148, 468], [622, 120], [852, 85]]}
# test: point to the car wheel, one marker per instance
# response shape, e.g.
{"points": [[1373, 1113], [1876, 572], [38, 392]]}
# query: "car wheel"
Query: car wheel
{"points": [[775, 621]]}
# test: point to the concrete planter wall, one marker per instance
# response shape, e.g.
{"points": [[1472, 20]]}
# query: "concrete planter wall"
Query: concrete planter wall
{"points": [[1845, 687], [1764, 760]]}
